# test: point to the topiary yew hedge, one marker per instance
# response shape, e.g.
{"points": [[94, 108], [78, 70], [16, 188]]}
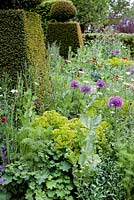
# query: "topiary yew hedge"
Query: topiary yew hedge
{"points": [[65, 34], [22, 45]]}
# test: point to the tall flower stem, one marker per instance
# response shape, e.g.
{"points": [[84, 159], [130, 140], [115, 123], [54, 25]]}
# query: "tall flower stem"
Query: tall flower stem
{"points": [[115, 119]]}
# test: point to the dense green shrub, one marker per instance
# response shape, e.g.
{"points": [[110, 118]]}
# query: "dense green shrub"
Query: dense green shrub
{"points": [[127, 39], [63, 11], [22, 45], [44, 10], [15, 4], [65, 34]]}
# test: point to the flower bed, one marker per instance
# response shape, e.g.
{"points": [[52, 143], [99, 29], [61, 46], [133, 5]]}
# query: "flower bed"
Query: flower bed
{"points": [[80, 145]]}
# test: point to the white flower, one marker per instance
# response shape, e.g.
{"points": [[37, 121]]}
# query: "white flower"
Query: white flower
{"points": [[128, 73], [14, 91], [85, 81], [36, 83]]}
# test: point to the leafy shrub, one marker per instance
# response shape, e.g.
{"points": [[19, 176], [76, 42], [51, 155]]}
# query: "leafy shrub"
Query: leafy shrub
{"points": [[21, 4], [105, 185], [62, 11], [44, 10]]}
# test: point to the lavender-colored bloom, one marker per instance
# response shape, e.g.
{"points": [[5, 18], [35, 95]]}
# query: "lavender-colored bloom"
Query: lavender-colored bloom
{"points": [[85, 88], [4, 152], [100, 83], [117, 51], [115, 102], [35, 102], [2, 180], [74, 84], [2, 169], [112, 53]]}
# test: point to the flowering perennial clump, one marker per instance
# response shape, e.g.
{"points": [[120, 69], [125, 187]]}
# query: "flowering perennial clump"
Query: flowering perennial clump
{"points": [[100, 83], [115, 102], [85, 88], [74, 84]]}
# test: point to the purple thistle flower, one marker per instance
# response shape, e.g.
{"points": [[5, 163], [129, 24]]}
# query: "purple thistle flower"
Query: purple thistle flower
{"points": [[85, 88], [115, 102], [100, 83], [74, 84]]}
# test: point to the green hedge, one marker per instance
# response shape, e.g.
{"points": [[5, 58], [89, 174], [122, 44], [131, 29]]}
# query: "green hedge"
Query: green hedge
{"points": [[44, 10], [65, 34], [22, 45], [127, 39]]}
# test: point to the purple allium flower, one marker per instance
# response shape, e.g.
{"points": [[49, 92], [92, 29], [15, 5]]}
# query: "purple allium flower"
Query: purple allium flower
{"points": [[85, 88], [100, 83], [117, 51], [115, 102], [74, 84]]}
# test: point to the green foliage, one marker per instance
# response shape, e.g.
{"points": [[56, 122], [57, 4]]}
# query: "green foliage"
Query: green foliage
{"points": [[118, 8], [21, 4], [50, 179], [44, 10], [89, 11], [62, 11], [71, 37], [125, 154], [126, 39], [106, 183], [67, 135], [22, 46]]}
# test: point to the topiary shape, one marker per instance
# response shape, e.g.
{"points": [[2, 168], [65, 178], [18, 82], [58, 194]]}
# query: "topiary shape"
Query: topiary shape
{"points": [[62, 11], [19, 4]]}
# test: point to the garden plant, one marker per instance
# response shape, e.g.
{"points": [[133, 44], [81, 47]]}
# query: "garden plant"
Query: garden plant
{"points": [[79, 146]]}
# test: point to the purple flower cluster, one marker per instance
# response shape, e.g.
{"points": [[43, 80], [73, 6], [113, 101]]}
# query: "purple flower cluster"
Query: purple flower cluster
{"points": [[85, 88], [100, 83], [115, 102], [126, 25], [74, 84], [115, 52], [2, 170], [4, 154]]}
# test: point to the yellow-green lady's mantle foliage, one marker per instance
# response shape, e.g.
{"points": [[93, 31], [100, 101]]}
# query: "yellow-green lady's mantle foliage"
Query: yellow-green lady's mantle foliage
{"points": [[22, 45], [67, 134], [65, 34]]}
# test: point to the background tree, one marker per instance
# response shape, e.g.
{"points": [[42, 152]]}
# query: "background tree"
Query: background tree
{"points": [[97, 12], [118, 8], [91, 11]]}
